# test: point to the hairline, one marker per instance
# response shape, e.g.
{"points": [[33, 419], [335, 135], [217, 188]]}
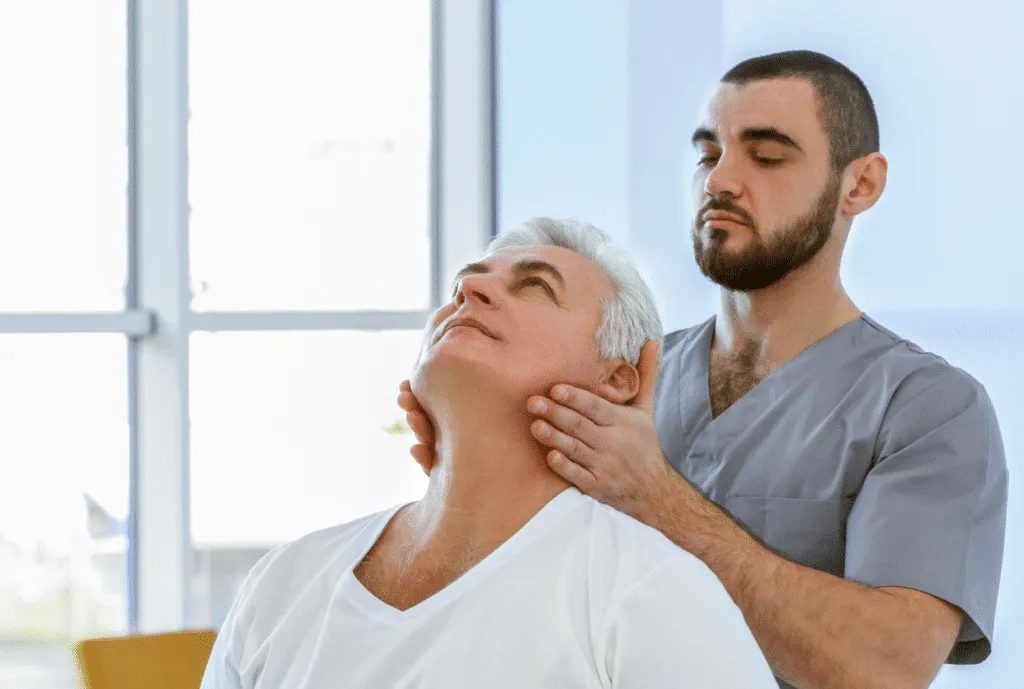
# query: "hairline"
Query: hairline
{"points": [[813, 76]]}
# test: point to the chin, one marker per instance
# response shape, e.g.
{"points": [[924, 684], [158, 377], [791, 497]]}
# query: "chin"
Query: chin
{"points": [[453, 370]]}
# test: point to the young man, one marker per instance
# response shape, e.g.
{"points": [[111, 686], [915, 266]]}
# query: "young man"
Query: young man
{"points": [[503, 575], [848, 488]]}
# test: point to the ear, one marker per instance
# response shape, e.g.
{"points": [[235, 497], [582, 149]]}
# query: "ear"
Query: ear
{"points": [[864, 183], [620, 383]]}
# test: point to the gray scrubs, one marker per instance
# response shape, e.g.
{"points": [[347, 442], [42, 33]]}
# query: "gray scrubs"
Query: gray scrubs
{"points": [[864, 457]]}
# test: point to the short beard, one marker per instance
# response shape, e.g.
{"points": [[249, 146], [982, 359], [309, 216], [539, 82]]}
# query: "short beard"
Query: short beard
{"points": [[758, 264]]}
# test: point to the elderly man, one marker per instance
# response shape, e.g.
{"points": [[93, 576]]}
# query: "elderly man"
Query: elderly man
{"points": [[503, 575]]}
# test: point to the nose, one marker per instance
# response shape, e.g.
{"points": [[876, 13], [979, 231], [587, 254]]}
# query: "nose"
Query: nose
{"points": [[723, 178], [476, 288]]}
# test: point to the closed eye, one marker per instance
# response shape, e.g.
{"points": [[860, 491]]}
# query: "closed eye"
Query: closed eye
{"points": [[534, 281]]}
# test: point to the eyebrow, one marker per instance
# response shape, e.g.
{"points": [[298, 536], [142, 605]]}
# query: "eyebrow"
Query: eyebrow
{"points": [[703, 134], [749, 134], [519, 268]]}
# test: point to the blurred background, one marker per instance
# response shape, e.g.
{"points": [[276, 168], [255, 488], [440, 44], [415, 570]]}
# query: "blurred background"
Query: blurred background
{"points": [[223, 224]]}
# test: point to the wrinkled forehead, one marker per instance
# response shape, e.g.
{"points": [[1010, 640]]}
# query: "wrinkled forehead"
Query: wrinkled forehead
{"points": [[556, 255], [581, 275]]}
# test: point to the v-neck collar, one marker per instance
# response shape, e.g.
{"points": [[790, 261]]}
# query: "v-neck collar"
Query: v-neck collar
{"points": [[557, 508], [703, 345]]}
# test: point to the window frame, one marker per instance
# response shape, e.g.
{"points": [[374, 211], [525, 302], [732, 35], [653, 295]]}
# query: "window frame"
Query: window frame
{"points": [[157, 319]]}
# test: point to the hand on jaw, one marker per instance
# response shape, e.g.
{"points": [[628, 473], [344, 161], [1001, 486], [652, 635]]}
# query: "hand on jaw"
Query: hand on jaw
{"points": [[608, 451]]}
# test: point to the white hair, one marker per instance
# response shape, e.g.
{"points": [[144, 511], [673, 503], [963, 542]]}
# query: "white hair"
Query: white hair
{"points": [[630, 318]]}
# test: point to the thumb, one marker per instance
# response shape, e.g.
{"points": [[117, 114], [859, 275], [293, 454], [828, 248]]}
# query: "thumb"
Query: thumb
{"points": [[648, 370]]}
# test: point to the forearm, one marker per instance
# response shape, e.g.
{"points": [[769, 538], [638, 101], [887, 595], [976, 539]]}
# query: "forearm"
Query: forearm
{"points": [[815, 629]]}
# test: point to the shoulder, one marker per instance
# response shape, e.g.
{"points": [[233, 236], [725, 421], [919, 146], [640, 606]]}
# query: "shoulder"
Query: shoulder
{"points": [[680, 340], [908, 364], [274, 584], [636, 552], [933, 406], [922, 380], [906, 380], [667, 618], [298, 563], [638, 579]]}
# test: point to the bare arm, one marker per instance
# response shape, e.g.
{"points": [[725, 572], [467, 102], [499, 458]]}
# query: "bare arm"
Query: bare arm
{"points": [[816, 629]]}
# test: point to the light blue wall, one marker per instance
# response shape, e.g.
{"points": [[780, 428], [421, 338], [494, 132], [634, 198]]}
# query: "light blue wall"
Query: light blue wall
{"points": [[674, 58], [563, 108], [946, 78], [596, 100], [596, 103]]}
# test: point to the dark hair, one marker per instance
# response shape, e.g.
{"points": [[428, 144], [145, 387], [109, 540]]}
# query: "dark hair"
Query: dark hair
{"points": [[844, 104]]}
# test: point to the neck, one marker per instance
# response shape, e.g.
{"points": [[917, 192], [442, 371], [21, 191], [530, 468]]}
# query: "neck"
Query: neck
{"points": [[489, 477], [788, 316]]}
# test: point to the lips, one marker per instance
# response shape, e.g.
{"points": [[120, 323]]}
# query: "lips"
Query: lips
{"points": [[466, 321], [721, 215]]}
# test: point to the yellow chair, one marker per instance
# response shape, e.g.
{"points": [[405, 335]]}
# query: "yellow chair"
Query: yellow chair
{"points": [[175, 660]]}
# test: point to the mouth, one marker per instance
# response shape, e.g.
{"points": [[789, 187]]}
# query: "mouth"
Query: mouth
{"points": [[720, 218], [466, 323]]}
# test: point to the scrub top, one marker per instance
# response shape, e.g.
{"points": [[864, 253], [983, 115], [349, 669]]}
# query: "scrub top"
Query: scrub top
{"points": [[864, 456]]}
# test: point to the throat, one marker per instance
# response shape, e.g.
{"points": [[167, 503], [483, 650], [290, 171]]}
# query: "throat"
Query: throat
{"points": [[402, 571], [479, 496]]}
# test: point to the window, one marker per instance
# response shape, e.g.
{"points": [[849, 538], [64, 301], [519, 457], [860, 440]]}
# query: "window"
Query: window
{"points": [[304, 429], [63, 498], [63, 397], [309, 183], [63, 170], [309, 170], [314, 207]]}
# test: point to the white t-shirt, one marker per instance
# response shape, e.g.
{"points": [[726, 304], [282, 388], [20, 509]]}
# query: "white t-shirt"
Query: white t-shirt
{"points": [[581, 596]]}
